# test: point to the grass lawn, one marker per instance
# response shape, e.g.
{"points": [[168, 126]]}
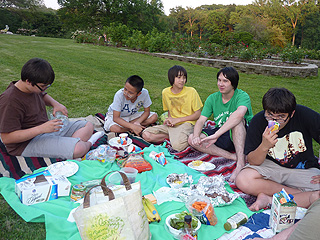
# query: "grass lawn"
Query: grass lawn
{"points": [[87, 77]]}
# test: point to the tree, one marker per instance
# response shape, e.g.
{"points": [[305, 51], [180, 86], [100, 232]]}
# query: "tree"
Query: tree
{"points": [[21, 3]]}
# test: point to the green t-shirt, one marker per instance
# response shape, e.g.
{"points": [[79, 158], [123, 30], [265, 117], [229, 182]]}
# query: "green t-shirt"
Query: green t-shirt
{"points": [[221, 112]]}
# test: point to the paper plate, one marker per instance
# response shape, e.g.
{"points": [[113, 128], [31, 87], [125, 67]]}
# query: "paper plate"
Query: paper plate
{"points": [[65, 168], [205, 166], [115, 142]]}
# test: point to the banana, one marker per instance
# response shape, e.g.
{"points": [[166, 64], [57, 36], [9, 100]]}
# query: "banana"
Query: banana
{"points": [[150, 216], [152, 209]]}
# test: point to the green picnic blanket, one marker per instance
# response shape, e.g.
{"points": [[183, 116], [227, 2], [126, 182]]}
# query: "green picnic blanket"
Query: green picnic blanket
{"points": [[55, 212]]}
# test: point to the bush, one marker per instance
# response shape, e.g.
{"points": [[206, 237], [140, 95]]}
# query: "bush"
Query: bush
{"points": [[137, 41], [292, 54], [118, 33], [247, 54], [159, 42], [84, 37]]}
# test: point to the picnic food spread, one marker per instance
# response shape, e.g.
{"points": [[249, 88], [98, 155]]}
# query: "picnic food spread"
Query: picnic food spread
{"points": [[202, 208]]}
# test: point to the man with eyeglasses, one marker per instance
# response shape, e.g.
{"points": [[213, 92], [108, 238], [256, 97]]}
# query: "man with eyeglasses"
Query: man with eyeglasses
{"points": [[24, 125], [284, 157]]}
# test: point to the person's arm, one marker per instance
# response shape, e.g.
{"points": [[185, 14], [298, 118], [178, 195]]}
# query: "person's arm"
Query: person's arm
{"points": [[143, 117], [134, 127], [27, 134], [57, 107], [174, 121], [197, 129], [235, 118], [269, 140]]}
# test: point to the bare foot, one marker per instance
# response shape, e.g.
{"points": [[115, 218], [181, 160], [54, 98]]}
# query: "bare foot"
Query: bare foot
{"points": [[262, 201], [234, 174]]}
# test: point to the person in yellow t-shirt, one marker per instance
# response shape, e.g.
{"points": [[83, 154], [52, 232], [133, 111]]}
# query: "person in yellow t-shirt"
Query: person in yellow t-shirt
{"points": [[184, 108]]}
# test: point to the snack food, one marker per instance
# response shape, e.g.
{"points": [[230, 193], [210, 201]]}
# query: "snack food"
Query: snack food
{"points": [[196, 163]]}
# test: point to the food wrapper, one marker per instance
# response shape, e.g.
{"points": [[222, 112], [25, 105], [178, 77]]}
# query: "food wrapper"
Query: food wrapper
{"points": [[100, 153], [135, 160], [211, 187], [202, 208], [179, 180]]}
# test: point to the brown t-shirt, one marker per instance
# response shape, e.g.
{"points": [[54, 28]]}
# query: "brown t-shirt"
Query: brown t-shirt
{"points": [[18, 111]]}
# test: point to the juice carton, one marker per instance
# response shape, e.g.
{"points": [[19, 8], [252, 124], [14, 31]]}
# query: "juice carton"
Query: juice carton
{"points": [[283, 211], [41, 187]]}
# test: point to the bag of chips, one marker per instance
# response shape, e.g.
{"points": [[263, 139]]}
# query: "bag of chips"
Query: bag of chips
{"points": [[136, 160]]}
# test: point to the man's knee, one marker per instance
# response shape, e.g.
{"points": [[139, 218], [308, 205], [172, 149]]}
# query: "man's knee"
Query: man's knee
{"points": [[190, 139], [146, 136], [242, 179]]}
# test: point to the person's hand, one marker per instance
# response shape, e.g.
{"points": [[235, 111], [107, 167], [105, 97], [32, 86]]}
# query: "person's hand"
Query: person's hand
{"points": [[315, 179], [60, 108], [269, 138], [196, 141], [171, 122], [51, 126], [208, 141], [137, 129]]}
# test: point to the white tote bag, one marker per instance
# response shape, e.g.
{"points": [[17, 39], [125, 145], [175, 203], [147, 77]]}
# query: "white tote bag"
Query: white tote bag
{"points": [[120, 216]]}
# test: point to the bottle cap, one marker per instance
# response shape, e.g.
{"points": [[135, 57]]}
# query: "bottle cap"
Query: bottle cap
{"points": [[227, 226], [188, 218]]}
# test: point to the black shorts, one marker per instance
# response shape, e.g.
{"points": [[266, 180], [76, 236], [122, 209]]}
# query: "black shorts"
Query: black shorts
{"points": [[224, 141]]}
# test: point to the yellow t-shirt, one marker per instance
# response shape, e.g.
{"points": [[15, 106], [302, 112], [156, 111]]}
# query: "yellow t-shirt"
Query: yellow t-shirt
{"points": [[182, 104]]}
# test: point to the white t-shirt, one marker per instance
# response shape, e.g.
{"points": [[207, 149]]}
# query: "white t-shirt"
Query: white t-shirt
{"points": [[126, 107]]}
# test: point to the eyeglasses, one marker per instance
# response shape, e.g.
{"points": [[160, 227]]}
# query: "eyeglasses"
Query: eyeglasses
{"points": [[280, 119], [43, 89]]}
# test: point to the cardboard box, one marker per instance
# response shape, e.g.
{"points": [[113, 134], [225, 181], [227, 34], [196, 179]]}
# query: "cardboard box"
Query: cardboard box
{"points": [[283, 211], [41, 187]]}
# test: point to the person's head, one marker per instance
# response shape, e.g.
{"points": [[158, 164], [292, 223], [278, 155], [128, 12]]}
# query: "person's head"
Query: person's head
{"points": [[132, 88], [38, 72], [279, 104], [176, 71], [231, 74]]}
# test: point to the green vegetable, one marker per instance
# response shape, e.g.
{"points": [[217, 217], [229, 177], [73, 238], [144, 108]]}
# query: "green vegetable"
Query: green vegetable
{"points": [[178, 221]]}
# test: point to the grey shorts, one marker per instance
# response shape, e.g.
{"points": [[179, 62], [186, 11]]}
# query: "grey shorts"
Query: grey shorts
{"points": [[290, 177], [308, 226], [55, 145]]}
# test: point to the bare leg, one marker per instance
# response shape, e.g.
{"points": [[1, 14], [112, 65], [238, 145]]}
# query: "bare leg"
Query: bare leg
{"points": [[81, 149], [262, 201], [117, 129], [213, 149], [239, 137], [150, 120], [84, 133], [151, 137], [251, 182]]}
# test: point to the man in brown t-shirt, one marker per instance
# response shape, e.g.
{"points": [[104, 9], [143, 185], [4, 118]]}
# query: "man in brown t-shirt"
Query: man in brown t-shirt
{"points": [[24, 125]]}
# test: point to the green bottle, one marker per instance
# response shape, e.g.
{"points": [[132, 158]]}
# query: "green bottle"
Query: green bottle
{"points": [[235, 221]]}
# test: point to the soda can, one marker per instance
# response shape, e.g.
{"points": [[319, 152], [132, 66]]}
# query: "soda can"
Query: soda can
{"points": [[273, 124]]}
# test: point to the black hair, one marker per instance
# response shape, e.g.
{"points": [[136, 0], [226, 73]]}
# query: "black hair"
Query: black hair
{"points": [[37, 70], [231, 74], [175, 71], [279, 100], [136, 82]]}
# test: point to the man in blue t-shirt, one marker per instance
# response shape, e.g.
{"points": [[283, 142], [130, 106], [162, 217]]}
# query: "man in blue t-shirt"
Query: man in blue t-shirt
{"points": [[281, 158]]}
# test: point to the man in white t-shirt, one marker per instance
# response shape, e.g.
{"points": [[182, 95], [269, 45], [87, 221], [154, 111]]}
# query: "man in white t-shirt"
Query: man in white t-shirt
{"points": [[124, 113]]}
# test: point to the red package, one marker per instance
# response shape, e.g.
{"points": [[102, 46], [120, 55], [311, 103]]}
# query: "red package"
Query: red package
{"points": [[135, 160]]}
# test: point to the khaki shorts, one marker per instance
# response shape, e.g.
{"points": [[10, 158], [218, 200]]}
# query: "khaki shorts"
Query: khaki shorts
{"points": [[308, 226], [290, 177], [178, 135], [109, 119]]}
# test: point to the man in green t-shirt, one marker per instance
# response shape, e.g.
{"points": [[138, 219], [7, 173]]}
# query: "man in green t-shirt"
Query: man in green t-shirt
{"points": [[231, 110]]}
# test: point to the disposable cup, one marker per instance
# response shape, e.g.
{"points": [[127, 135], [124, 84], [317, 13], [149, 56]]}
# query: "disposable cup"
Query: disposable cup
{"points": [[115, 178], [131, 173]]}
